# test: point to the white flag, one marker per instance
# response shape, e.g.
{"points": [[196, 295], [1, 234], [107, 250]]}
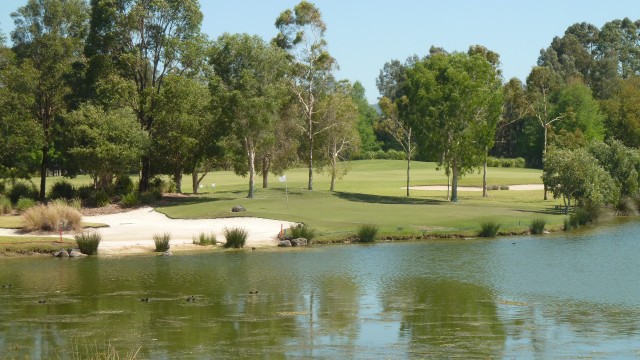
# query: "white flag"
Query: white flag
{"points": [[282, 178]]}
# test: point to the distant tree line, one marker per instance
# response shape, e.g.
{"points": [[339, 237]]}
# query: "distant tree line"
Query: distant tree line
{"points": [[113, 87]]}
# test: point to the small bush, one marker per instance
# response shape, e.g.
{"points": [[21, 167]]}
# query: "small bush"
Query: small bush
{"points": [[205, 239], [624, 207], [367, 233], [124, 185], [62, 189], [5, 206], [506, 162], [504, 187], [3, 187], [235, 238], [22, 190], [149, 197], [159, 186], [88, 242], [537, 226], [302, 231], [24, 203], [493, 187], [489, 228], [101, 198], [51, 217], [567, 224], [130, 200], [84, 193], [162, 241]]}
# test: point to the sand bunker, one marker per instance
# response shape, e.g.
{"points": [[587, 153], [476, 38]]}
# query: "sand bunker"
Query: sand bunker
{"points": [[133, 231], [476, 188]]}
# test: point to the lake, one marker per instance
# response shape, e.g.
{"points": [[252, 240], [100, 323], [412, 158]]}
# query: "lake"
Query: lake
{"points": [[561, 295]]}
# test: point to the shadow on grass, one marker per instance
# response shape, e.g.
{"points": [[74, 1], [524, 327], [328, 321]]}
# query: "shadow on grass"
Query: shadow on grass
{"points": [[379, 199], [188, 200], [548, 210]]}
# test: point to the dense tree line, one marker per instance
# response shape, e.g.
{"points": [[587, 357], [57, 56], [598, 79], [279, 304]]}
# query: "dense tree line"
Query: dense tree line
{"points": [[109, 88]]}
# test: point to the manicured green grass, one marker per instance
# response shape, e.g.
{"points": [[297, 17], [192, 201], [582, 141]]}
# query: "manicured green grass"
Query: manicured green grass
{"points": [[372, 193], [19, 245]]}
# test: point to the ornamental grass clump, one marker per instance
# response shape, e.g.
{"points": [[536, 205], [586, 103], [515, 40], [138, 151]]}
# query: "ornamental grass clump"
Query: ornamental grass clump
{"points": [[367, 233], [205, 239], [162, 241], [489, 228], [302, 231], [624, 207], [537, 226], [88, 242], [24, 204], [5, 206], [51, 217], [235, 237]]}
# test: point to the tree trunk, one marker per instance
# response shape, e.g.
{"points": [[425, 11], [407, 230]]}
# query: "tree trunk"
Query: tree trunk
{"points": [[252, 173], [484, 178], [194, 181], [145, 174], [454, 182], [310, 185], [544, 153], [448, 187], [333, 171], [408, 170], [43, 173], [177, 177], [266, 164]]}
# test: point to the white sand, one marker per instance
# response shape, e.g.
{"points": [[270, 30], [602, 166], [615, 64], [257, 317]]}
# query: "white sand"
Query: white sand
{"points": [[527, 187], [133, 231]]}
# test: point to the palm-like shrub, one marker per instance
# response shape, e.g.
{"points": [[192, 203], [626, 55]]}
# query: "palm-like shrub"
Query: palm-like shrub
{"points": [[5, 205], [489, 228], [62, 189], [367, 233], [537, 226], [235, 237], [162, 241], [205, 239], [302, 231], [624, 207], [88, 242]]}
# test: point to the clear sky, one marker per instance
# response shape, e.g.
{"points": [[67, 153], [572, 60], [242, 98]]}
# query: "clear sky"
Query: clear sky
{"points": [[364, 34]]}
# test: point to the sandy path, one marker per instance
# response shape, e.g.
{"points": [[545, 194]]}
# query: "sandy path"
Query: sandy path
{"points": [[477, 188], [133, 231]]}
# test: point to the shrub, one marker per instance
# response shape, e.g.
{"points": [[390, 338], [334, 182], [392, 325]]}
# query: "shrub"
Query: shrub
{"points": [[537, 226], [124, 185], [567, 224], [5, 206], [101, 198], [302, 231], [504, 187], [148, 197], [24, 203], [493, 187], [22, 190], [159, 186], [367, 233], [506, 162], [73, 203], [205, 239], [51, 217], [489, 228], [162, 241], [88, 242], [3, 187], [624, 207], [62, 189], [235, 237], [84, 193], [130, 200]]}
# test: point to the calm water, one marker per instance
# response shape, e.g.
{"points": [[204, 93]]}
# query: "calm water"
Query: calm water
{"points": [[526, 298]]}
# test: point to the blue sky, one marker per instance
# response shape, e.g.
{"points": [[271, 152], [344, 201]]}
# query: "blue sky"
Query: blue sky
{"points": [[364, 34]]}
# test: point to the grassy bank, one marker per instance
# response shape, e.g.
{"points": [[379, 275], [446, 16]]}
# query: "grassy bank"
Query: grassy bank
{"points": [[13, 245], [372, 192]]}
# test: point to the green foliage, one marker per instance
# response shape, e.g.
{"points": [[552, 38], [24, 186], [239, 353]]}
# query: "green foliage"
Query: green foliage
{"points": [[444, 95], [302, 231], [367, 233], [24, 204], [100, 198], [235, 237], [489, 228], [130, 200], [624, 207], [62, 189], [158, 186], [580, 111], [124, 185], [205, 239], [149, 197], [390, 154], [162, 241], [5, 206], [537, 226], [621, 162], [88, 242], [505, 162], [22, 190]]}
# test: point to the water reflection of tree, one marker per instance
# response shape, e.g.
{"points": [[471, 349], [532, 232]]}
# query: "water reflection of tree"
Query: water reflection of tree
{"points": [[337, 310], [441, 317]]}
